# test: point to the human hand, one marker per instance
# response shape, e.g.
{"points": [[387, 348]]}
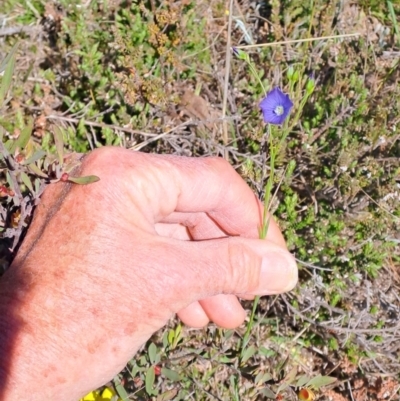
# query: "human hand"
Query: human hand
{"points": [[104, 266]]}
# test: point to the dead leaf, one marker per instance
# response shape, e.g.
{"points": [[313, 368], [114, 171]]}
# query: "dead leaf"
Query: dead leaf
{"points": [[196, 107]]}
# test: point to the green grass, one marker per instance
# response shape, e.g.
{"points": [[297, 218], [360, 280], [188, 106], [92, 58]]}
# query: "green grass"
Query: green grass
{"points": [[113, 74]]}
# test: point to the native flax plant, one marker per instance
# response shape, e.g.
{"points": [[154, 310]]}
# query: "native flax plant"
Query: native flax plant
{"points": [[275, 108]]}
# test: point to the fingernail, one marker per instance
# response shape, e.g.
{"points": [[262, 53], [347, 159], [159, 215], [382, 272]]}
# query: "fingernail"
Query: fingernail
{"points": [[278, 273]]}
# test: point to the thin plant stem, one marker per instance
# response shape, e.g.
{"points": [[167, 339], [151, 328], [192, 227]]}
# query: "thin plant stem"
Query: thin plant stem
{"points": [[254, 72], [246, 336], [226, 81], [392, 14], [270, 182], [286, 42], [264, 227], [298, 112]]}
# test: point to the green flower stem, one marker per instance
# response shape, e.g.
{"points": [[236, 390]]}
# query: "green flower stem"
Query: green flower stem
{"points": [[273, 150], [270, 183], [246, 336], [299, 110], [263, 229], [255, 74]]}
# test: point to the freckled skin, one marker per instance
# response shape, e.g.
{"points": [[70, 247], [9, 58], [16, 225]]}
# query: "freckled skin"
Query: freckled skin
{"points": [[105, 265], [49, 370], [95, 311], [130, 328]]}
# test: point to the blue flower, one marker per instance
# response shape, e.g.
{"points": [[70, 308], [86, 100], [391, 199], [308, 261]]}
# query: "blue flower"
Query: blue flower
{"points": [[276, 107]]}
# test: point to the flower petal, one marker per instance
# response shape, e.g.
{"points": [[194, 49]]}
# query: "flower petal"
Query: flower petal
{"points": [[276, 107]]}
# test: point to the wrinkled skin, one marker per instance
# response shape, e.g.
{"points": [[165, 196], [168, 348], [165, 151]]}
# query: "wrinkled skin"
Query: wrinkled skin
{"points": [[105, 265]]}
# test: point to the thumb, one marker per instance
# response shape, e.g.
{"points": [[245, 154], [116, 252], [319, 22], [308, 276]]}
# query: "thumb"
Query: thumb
{"points": [[232, 265]]}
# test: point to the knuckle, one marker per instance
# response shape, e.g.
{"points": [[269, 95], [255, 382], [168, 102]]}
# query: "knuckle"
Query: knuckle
{"points": [[102, 156]]}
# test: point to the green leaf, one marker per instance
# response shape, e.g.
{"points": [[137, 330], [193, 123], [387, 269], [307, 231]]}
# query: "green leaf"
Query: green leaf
{"points": [[36, 156], [177, 336], [266, 352], [288, 380], [225, 359], [121, 391], [302, 380], [165, 339], [26, 180], [59, 142], [320, 381], [250, 351], [262, 377], [170, 374], [310, 86], [171, 336], [149, 381], [84, 180], [9, 180], [168, 395], [9, 63], [135, 371], [9, 144], [266, 392], [152, 351], [178, 330], [4, 63], [23, 138], [37, 185], [36, 170]]}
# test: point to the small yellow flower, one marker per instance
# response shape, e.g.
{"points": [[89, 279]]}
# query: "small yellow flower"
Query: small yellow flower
{"points": [[93, 396], [107, 395]]}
